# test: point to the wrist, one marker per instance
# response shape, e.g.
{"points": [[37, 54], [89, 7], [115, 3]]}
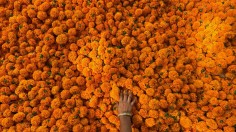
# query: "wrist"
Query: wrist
{"points": [[125, 114], [125, 118]]}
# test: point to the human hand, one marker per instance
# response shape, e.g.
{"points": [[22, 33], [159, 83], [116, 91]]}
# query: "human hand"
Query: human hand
{"points": [[126, 102]]}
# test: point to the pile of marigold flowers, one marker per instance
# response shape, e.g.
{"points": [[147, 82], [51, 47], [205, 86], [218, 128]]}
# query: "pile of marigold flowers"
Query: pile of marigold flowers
{"points": [[63, 63]]}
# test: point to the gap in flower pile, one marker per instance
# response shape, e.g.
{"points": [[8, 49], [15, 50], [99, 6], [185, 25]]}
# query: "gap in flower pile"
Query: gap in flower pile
{"points": [[64, 62]]}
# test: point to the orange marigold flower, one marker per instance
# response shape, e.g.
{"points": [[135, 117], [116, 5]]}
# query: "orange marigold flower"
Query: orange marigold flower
{"points": [[57, 113], [153, 114], [65, 94], [49, 39], [201, 126], [118, 16], [143, 99], [138, 12], [66, 83], [83, 111], [106, 87], [42, 129], [125, 41], [153, 104], [173, 75], [149, 72], [150, 122], [72, 31], [37, 75], [114, 93], [55, 103], [198, 83], [5, 80], [93, 102], [5, 99], [7, 122], [85, 94], [231, 121], [171, 98], [31, 13], [137, 119], [42, 15], [185, 122], [149, 26], [44, 6], [150, 91], [190, 41], [80, 81], [211, 123], [213, 101], [229, 129], [36, 120], [114, 120], [45, 113], [61, 39], [57, 30]]}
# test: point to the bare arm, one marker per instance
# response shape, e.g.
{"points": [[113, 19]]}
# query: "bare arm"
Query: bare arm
{"points": [[125, 106], [125, 124]]}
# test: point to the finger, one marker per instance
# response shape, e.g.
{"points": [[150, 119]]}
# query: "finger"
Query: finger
{"points": [[121, 96], [116, 106], [125, 96], [130, 97], [133, 101]]}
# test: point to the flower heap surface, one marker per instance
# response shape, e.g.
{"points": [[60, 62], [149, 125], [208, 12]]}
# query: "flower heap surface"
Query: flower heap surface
{"points": [[64, 62]]}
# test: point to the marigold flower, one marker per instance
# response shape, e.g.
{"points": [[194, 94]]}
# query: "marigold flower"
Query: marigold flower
{"points": [[228, 129], [61, 39], [213, 101], [45, 114], [106, 87], [149, 72], [137, 120], [5, 80], [150, 122], [44, 6], [63, 128], [55, 103], [7, 122], [93, 102], [153, 114], [138, 12], [114, 93], [72, 31], [173, 75], [231, 121], [185, 122], [118, 16], [80, 81], [171, 98], [42, 15], [65, 94], [57, 30], [114, 119], [57, 113], [125, 41], [4, 99], [31, 13], [150, 91], [36, 120], [198, 83], [42, 129], [211, 123], [83, 111], [143, 99]]}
